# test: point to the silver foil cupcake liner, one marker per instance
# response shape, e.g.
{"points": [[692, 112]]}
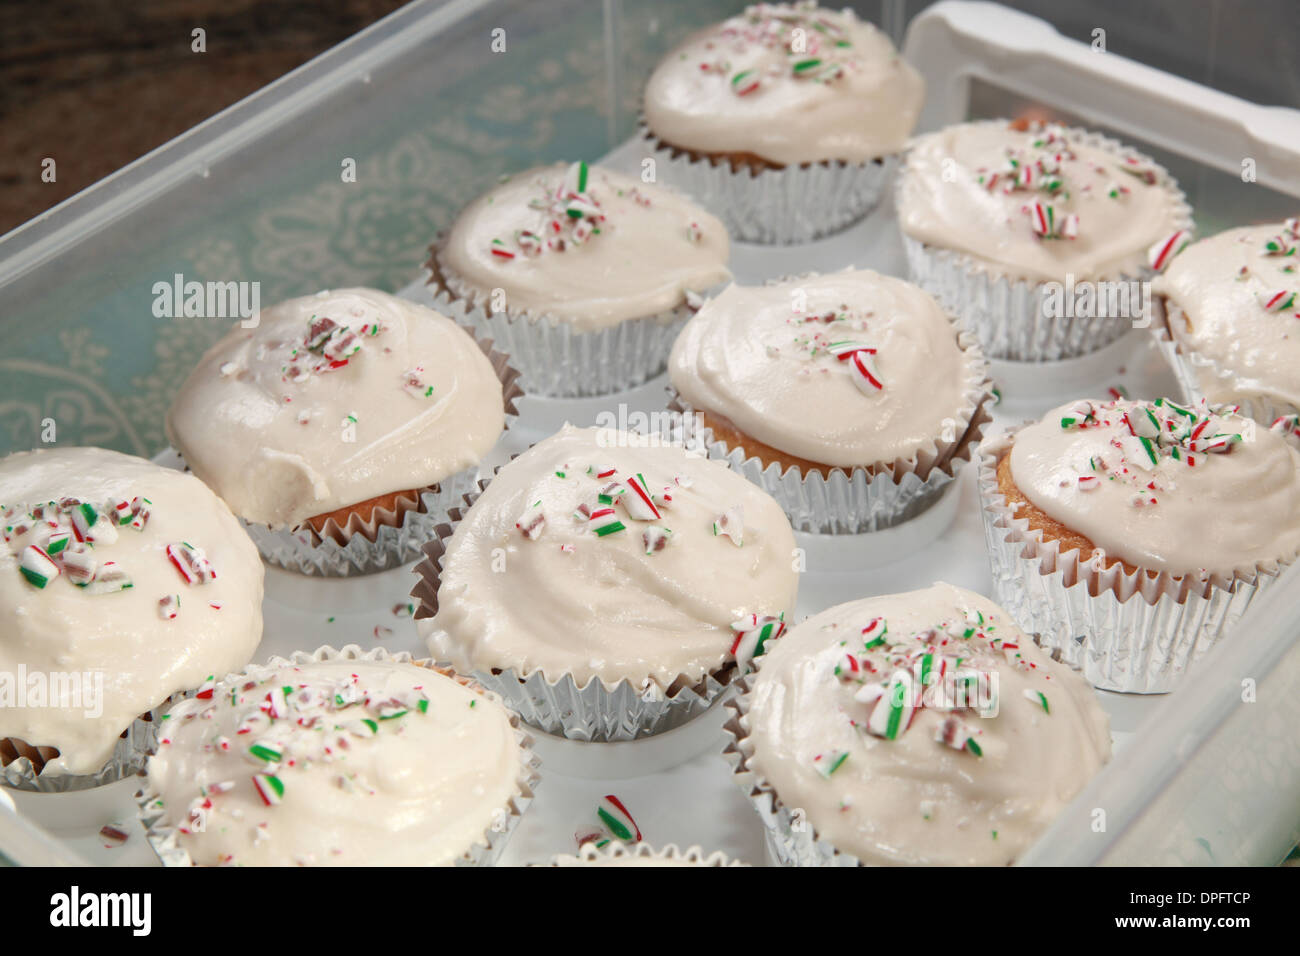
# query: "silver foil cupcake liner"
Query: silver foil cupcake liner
{"points": [[1134, 633], [392, 537], [615, 851], [486, 852], [863, 500], [786, 206], [594, 712], [1201, 377], [790, 838], [554, 358], [129, 755], [1009, 316]]}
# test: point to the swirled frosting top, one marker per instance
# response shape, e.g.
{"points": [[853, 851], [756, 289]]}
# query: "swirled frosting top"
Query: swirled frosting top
{"points": [[601, 553], [335, 763], [1037, 204], [122, 583], [850, 368], [1239, 292], [922, 728], [790, 83], [1163, 486], [333, 399], [582, 245]]}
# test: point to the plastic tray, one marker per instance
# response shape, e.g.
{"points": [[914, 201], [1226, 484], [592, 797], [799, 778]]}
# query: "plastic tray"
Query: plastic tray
{"points": [[1198, 776]]}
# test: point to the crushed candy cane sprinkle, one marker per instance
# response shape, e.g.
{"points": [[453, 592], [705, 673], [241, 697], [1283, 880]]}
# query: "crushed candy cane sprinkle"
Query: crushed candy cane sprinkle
{"points": [[1150, 434], [69, 538], [950, 669], [815, 48], [286, 723]]}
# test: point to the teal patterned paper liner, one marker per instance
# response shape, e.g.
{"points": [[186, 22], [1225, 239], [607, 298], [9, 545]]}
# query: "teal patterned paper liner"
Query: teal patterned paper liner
{"points": [[486, 852], [553, 358], [1132, 633], [615, 850], [1199, 376], [1006, 314], [785, 206]]}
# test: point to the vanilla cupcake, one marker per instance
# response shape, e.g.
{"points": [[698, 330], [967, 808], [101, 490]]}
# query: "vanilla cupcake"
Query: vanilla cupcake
{"points": [[1133, 535], [851, 398], [785, 119], [342, 426], [121, 583], [642, 854], [582, 274], [1228, 322], [921, 728], [1002, 222], [608, 585], [336, 759]]}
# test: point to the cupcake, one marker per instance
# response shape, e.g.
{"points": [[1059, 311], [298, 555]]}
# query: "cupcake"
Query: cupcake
{"points": [[582, 274], [785, 119], [642, 854], [342, 426], [336, 759], [921, 728], [121, 583], [1003, 223], [851, 398], [1132, 535], [608, 585], [1228, 310]]}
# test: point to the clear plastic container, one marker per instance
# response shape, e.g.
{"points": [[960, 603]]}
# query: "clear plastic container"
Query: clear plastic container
{"points": [[431, 116]]}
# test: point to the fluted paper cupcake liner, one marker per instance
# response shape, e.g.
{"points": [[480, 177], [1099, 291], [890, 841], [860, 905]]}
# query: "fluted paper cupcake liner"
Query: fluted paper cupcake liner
{"points": [[392, 536], [595, 711], [25, 772], [486, 852], [553, 357], [785, 206], [1007, 315], [1199, 376], [864, 499], [615, 851], [1134, 633]]}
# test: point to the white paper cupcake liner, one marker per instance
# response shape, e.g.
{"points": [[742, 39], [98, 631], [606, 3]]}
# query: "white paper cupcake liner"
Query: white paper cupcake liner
{"points": [[392, 537], [1134, 633], [129, 755], [1201, 377], [615, 851], [554, 358], [863, 500], [784, 206], [486, 852], [594, 712], [1007, 315]]}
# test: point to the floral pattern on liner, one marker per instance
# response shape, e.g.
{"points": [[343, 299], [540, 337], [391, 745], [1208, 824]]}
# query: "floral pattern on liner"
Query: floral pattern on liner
{"points": [[641, 854]]}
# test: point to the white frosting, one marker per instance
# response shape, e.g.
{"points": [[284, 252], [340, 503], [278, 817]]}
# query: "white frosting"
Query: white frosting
{"points": [[570, 601], [914, 799], [758, 357], [945, 200], [1230, 324], [1226, 512], [858, 102], [652, 247], [266, 424], [101, 629], [418, 789]]}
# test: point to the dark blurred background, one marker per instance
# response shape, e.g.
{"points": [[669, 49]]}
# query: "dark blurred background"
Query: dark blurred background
{"points": [[100, 83]]}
